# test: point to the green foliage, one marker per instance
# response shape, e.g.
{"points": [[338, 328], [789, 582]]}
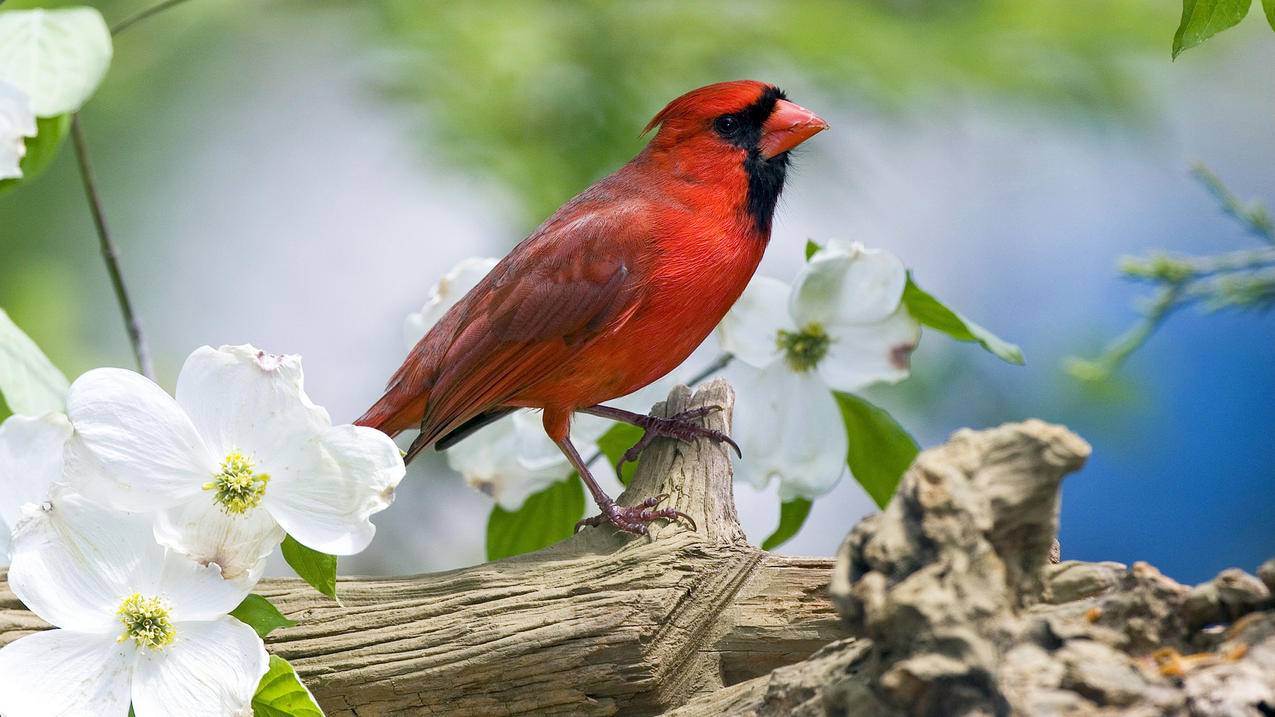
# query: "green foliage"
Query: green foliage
{"points": [[317, 569], [616, 442], [544, 519], [281, 693], [562, 103], [41, 149], [1243, 279], [31, 384], [261, 615], [1202, 19], [812, 248], [792, 515], [880, 449], [932, 313], [1269, 7]]}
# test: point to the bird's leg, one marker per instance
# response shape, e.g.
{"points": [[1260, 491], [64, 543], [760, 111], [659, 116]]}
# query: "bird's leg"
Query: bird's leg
{"points": [[631, 519], [682, 426]]}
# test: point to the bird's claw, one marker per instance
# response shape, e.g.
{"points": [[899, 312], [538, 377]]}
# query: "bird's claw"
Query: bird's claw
{"points": [[635, 518], [681, 426]]}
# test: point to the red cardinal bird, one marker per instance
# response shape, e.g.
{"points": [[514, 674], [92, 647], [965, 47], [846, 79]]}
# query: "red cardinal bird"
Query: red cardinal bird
{"points": [[615, 290]]}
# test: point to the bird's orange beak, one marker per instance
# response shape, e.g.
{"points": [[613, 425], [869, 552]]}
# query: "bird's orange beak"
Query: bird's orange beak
{"points": [[789, 125]]}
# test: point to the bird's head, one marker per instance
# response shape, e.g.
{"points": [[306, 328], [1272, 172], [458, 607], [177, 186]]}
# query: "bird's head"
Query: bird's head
{"points": [[743, 124], [737, 117]]}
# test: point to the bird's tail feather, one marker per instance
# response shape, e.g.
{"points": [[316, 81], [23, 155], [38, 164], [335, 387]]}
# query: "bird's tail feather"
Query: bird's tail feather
{"points": [[392, 415]]}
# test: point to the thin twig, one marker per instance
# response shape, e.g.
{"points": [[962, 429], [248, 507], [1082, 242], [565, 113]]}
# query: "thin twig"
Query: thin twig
{"points": [[718, 364], [109, 254], [1158, 266], [135, 18], [1253, 217]]}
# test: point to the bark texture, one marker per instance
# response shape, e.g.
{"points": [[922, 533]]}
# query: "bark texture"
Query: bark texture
{"points": [[958, 610]]}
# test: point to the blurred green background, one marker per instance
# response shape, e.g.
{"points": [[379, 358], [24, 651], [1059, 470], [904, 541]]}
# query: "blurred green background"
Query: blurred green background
{"points": [[297, 174]]}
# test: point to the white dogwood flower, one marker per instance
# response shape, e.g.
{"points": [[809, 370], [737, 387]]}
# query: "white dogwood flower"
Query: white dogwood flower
{"points": [[17, 123], [238, 458], [842, 326], [133, 622], [30, 463], [509, 460]]}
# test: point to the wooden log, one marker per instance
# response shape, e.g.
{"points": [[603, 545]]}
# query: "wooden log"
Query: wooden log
{"points": [[603, 623]]}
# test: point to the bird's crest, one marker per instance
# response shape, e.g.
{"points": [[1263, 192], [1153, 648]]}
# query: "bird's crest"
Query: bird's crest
{"points": [[713, 100]]}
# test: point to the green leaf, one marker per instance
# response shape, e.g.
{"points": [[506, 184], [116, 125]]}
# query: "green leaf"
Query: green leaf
{"points": [[281, 693], [41, 149], [260, 614], [792, 514], [57, 57], [31, 384], [880, 449], [811, 248], [318, 569], [932, 313], [615, 442], [544, 519], [1202, 19], [1269, 7]]}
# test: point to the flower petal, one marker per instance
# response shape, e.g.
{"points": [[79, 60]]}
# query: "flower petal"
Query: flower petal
{"points": [[864, 354], [749, 330], [58, 57], [450, 289], [6, 546], [30, 461], [205, 534], [211, 668], [64, 673], [17, 122], [847, 284], [74, 560], [243, 399], [789, 427], [133, 447], [509, 460], [330, 488]]}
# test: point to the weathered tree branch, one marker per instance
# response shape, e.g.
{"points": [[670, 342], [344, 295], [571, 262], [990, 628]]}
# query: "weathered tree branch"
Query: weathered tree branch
{"points": [[600, 624]]}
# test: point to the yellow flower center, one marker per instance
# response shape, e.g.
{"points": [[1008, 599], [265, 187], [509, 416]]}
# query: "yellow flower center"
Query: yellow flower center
{"points": [[145, 621], [237, 488], [804, 349]]}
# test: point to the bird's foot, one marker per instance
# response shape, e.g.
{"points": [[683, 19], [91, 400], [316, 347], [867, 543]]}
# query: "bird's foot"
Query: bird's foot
{"points": [[682, 426], [635, 518]]}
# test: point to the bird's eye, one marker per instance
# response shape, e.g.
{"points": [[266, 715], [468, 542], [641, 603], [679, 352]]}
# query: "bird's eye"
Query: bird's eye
{"points": [[727, 125]]}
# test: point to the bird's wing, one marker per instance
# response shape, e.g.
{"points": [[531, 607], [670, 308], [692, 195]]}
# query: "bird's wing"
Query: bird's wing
{"points": [[538, 308]]}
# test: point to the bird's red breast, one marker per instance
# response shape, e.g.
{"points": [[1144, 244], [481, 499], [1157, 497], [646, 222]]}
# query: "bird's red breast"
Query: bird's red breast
{"points": [[622, 283]]}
